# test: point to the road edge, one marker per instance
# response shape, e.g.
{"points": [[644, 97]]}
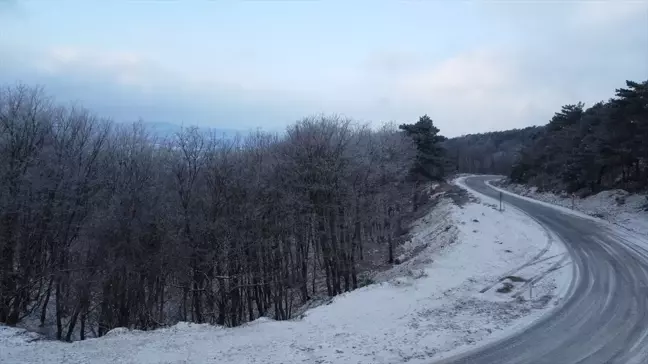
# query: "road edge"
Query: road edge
{"points": [[568, 291]]}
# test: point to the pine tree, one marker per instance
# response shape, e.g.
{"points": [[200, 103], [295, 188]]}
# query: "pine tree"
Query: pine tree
{"points": [[590, 150], [430, 160]]}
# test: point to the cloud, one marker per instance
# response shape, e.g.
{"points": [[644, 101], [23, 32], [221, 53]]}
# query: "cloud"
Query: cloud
{"points": [[392, 61], [101, 59], [590, 49], [150, 75], [126, 86], [8, 5], [472, 72], [535, 59], [475, 91], [119, 67], [600, 14]]}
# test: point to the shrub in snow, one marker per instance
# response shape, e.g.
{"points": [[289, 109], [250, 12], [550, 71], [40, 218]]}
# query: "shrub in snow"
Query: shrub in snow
{"points": [[417, 273], [117, 331], [365, 280], [401, 281], [507, 287], [189, 326]]}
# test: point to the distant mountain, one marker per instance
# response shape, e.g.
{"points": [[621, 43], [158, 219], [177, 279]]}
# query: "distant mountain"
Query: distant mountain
{"points": [[167, 130]]}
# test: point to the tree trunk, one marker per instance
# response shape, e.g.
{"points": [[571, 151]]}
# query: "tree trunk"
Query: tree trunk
{"points": [[59, 313], [43, 314], [83, 326], [72, 323]]}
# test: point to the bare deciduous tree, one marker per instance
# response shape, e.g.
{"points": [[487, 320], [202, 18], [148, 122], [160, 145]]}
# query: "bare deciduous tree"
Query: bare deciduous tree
{"points": [[102, 226]]}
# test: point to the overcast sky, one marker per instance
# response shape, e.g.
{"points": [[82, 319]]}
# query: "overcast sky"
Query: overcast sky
{"points": [[471, 66]]}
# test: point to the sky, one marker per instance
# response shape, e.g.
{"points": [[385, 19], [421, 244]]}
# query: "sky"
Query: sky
{"points": [[472, 66]]}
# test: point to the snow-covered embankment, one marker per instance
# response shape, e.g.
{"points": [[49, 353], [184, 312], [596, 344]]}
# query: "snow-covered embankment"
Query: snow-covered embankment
{"points": [[443, 298], [616, 206]]}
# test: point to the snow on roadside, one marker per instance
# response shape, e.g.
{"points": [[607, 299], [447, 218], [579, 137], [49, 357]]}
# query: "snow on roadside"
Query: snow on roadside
{"points": [[429, 306], [616, 206]]}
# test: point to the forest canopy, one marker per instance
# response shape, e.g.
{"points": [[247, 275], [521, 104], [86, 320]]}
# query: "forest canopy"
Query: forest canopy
{"points": [[581, 149], [591, 149], [105, 225]]}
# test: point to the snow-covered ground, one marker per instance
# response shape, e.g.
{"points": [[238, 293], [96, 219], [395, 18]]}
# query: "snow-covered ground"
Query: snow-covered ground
{"points": [[443, 298], [619, 207]]}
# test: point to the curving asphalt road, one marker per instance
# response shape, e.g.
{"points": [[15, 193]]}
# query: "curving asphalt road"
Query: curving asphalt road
{"points": [[604, 318]]}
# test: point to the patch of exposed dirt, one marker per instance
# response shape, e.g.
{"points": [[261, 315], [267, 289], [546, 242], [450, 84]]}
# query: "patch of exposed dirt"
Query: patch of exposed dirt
{"points": [[459, 196]]}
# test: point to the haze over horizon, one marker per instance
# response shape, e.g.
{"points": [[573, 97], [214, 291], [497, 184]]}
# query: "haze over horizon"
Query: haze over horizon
{"points": [[471, 66]]}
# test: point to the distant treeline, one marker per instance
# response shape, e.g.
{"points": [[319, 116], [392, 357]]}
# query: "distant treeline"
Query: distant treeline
{"points": [[588, 150], [579, 150], [492, 152]]}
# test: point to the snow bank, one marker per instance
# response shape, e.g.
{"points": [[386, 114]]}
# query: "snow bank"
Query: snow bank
{"points": [[616, 206], [443, 298]]}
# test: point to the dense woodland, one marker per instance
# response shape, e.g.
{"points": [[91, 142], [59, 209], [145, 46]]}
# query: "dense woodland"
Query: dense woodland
{"points": [[582, 150], [589, 150], [490, 153], [104, 226]]}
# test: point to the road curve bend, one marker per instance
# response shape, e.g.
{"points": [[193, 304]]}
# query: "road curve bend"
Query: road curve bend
{"points": [[604, 318]]}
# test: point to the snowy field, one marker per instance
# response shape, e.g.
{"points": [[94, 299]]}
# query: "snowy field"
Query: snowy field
{"points": [[629, 211], [465, 280]]}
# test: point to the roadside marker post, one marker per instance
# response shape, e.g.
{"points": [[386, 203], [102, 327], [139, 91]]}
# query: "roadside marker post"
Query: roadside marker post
{"points": [[500, 201], [573, 200]]}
